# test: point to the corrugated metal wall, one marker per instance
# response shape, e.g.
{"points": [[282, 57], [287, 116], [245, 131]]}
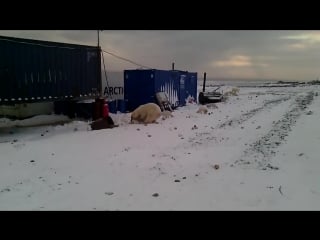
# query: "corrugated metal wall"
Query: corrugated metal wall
{"points": [[167, 81], [32, 70], [140, 86], [191, 85]]}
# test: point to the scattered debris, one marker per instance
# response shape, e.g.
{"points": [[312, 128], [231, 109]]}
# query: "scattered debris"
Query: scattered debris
{"points": [[103, 123], [272, 167], [6, 190], [280, 190], [309, 113]]}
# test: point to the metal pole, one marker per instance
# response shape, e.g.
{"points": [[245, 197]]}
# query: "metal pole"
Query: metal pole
{"points": [[98, 38], [204, 81]]}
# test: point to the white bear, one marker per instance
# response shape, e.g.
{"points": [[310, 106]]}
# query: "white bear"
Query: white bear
{"points": [[202, 109], [233, 92], [166, 114], [147, 113], [212, 105]]}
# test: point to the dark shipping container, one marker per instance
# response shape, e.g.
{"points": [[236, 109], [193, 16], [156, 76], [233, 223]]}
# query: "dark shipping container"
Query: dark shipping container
{"points": [[140, 86], [33, 71]]}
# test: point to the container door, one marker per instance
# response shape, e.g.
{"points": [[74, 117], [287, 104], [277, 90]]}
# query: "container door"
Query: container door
{"points": [[182, 93], [138, 88], [191, 86]]}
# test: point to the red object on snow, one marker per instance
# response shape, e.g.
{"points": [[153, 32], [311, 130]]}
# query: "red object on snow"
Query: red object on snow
{"points": [[105, 110]]}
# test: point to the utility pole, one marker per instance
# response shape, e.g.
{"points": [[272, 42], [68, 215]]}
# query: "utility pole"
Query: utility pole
{"points": [[98, 38]]}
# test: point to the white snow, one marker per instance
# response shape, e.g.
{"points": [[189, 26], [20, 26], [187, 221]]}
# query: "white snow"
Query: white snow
{"points": [[34, 121], [265, 141]]}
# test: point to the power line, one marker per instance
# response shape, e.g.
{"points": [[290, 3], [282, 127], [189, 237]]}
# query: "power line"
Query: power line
{"points": [[105, 74], [127, 60]]}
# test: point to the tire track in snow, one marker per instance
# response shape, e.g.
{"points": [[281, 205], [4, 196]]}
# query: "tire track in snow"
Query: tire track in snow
{"points": [[205, 137], [261, 151], [246, 116]]}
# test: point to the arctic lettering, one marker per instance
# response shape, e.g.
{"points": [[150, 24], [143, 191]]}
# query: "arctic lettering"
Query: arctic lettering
{"points": [[113, 91]]}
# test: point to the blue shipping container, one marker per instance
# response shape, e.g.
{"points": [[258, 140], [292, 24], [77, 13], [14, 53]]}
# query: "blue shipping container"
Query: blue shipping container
{"points": [[112, 106], [121, 105], [33, 70], [140, 86]]}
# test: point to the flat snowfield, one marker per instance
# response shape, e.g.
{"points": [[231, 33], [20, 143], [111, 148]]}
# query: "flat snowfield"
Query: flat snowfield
{"points": [[255, 151]]}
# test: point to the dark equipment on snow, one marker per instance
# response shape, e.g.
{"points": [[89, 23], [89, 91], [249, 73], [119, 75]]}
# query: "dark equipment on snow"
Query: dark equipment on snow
{"points": [[209, 97]]}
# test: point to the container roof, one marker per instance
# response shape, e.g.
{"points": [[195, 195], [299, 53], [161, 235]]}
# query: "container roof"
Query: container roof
{"points": [[44, 43]]}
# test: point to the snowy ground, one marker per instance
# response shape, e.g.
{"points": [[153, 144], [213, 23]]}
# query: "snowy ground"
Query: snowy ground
{"points": [[265, 143]]}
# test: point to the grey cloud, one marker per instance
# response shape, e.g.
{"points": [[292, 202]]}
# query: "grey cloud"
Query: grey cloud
{"points": [[269, 51]]}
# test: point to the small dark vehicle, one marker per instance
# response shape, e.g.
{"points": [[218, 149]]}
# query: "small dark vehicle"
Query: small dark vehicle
{"points": [[209, 97]]}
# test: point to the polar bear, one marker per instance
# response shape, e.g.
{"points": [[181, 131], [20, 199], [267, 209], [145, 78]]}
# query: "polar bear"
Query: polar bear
{"points": [[166, 114], [233, 92], [147, 113], [212, 105], [202, 109]]}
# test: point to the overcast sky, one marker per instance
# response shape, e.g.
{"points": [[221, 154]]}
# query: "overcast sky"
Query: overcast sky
{"points": [[253, 54]]}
